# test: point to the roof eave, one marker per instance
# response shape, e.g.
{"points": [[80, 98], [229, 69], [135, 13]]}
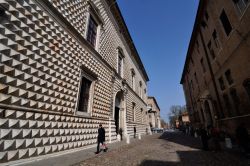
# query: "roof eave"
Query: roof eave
{"points": [[122, 25], [196, 26]]}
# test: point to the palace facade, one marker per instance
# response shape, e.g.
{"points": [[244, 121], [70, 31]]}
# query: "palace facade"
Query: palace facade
{"points": [[66, 66]]}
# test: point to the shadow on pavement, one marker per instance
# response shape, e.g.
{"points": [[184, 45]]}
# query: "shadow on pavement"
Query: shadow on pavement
{"points": [[158, 163], [182, 139], [199, 158]]}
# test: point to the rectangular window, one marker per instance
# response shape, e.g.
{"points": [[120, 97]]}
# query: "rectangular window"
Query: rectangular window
{"points": [[206, 15], [241, 5], [225, 22], [92, 31], [221, 82], [211, 50], [197, 47], [229, 77], [196, 80], [203, 65], [191, 84], [195, 76], [142, 119], [120, 63], [236, 100], [133, 79], [203, 24], [216, 40], [140, 89], [84, 95], [133, 109], [227, 104], [246, 85]]}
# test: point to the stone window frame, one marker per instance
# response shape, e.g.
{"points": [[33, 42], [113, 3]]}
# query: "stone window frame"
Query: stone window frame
{"points": [[94, 13], [227, 104], [142, 118], [89, 75], [235, 99], [197, 46], [192, 85], [140, 89], [120, 55], [145, 93], [241, 11], [134, 111], [206, 15], [196, 81], [211, 50], [222, 83], [203, 65], [246, 85], [229, 78], [216, 39], [133, 75], [223, 24]]}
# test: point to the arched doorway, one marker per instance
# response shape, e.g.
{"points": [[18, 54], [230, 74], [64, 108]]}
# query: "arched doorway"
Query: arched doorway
{"points": [[119, 114], [208, 113]]}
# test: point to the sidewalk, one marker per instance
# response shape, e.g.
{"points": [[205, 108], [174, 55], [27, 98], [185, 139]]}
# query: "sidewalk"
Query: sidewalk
{"points": [[68, 157]]}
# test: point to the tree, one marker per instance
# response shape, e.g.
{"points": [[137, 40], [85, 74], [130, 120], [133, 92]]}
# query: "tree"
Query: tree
{"points": [[163, 124], [175, 112]]}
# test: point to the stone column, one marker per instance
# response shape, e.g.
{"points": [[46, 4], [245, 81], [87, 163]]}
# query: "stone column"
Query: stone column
{"points": [[110, 133], [125, 112]]}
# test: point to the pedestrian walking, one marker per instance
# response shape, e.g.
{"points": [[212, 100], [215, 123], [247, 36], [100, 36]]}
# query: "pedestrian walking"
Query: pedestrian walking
{"points": [[242, 138], [120, 132], [101, 139], [204, 138], [215, 136], [134, 131]]}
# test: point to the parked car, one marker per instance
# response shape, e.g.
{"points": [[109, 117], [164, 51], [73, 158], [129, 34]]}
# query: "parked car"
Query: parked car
{"points": [[157, 130]]}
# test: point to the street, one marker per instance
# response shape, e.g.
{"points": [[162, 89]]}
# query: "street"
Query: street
{"points": [[169, 148]]}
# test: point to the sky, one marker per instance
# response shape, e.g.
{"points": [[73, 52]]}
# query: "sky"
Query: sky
{"points": [[161, 30]]}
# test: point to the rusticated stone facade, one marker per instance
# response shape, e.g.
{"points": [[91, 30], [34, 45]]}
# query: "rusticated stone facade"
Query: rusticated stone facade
{"points": [[46, 59], [216, 74]]}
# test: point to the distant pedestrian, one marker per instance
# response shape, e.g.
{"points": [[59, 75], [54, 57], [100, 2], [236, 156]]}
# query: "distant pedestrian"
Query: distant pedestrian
{"points": [[134, 131], [191, 130], [147, 131], [120, 132], [204, 138], [101, 139], [215, 136], [242, 138]]}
